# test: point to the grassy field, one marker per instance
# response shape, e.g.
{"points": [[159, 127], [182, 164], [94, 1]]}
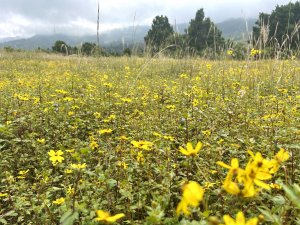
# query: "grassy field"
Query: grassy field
{"points": [[148, 141]]}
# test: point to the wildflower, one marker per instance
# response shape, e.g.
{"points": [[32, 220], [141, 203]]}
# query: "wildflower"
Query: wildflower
{"points": [[208, 185], [206, 132], [234, 170], [168, 137], [71, 113], [213, 171], [70, 190], [22, 174], [157, 134], [78, 166], [56, 156], [94, 145], [279, 158], [171, 107], [240, 220], [229, 52], [109, 85], [190, 150], [146, 145], [126, 100], [59, 201], [105, 216], [70, 150], [208, 66], [63, 92], [195, 102], [41, 140], [275, 186], [68, 99], [140, 157], [123, 137], [105, 131], [192, 195], [97, 115], [255, 52], [183, 75], [3, 195], [122, 164], [68, 171]]}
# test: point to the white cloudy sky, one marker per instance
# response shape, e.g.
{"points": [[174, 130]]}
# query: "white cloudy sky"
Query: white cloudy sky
{"points": [[29, 17]]}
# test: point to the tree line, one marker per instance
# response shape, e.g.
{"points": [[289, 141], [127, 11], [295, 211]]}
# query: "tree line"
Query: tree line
{"points": [[273, 34]]}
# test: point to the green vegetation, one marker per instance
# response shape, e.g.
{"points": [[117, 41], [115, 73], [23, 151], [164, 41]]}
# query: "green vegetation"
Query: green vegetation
{"points": [[279, 32], [157, 37], [170, 139], [133, 141]]}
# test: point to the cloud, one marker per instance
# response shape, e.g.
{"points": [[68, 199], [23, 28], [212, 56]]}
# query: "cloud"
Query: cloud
{"points": [[23, 18]]}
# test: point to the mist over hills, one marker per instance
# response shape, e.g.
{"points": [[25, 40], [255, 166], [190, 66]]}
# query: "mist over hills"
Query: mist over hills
{"points": [[236, 29]]}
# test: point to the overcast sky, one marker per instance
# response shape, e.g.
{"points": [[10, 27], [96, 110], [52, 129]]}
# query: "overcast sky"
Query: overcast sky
{"points": [[30, 17]]}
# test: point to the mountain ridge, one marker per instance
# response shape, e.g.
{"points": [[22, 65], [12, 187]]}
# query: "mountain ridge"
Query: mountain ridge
{"points": [[234, 28]]}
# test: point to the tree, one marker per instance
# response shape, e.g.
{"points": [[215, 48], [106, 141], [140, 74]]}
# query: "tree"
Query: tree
{"points": [[159, 33], [61, 47], [88, 48], [281, 27], [202, 33]]}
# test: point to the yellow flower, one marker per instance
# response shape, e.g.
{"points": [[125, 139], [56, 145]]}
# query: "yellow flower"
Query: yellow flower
{"points": [[234, 170], [229, 52], [240, 220], [105, 131], [78, 166], [105, 216], [3, 194], [195, 102], [282, 155], [22, 174], [206, 132], [123, 137], [126, 100], [208, 66], [275, 186], [70, 190], [41, 140], [122, 164], [140, 157], [70, 150], [68, 171], [56, 156], [59, 201], [94, 145], [192, 195], [190, 150], [146, 145], [97, 115], [71, 113]]}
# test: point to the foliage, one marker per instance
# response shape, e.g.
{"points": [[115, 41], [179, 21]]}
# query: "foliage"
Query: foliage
{"points": [[157, 36], [61, 47], [280, 29], [88, 48], [203, 34], [132, 141]]}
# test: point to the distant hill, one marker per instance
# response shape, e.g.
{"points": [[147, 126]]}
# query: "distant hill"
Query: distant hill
{"points": [[125, 36], [236, 28], [232, 28]]}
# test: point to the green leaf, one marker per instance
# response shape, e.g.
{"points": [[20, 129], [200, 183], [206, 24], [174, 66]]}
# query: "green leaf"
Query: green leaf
{"points": [[292, 194], [270, 217], [3, 221], [278, 200], [69, 217]]}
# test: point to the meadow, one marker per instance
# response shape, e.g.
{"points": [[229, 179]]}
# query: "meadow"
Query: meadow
{"points": [[148, 141]]}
